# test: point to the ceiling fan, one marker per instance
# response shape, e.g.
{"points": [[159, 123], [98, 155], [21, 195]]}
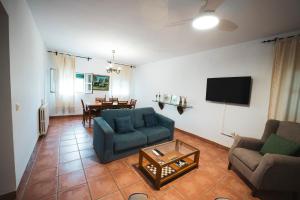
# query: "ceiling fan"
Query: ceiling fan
{"points": [[207, 18]]}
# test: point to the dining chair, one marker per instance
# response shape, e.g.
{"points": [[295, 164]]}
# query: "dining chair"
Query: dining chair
{"points": [[114, 99], [86, 112], [100, 99]]}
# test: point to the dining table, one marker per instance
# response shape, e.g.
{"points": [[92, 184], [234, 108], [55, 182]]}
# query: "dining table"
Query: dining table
{"points": [[99, 106]]}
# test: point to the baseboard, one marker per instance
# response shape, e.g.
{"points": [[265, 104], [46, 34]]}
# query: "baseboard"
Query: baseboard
{"points": [[203, 139], [9, 196], [25, 177], [65, 116]]}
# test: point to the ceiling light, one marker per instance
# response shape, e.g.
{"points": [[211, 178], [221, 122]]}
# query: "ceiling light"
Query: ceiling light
{"points": [[204, 22]]}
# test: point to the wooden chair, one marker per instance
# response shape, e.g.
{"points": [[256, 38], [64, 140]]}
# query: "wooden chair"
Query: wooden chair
{"points": [[99, 99], [86, 112], [133, 103], [114, 99], [124, 104]]}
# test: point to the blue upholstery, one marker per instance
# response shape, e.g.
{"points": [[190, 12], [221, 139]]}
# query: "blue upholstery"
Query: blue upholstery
{"points": [[155, 133], [129, 141], [124, 124], [150, 120], [110, 145]]}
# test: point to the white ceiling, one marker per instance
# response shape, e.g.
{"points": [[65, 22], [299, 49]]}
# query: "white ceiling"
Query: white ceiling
{"points": [[136, 28]]}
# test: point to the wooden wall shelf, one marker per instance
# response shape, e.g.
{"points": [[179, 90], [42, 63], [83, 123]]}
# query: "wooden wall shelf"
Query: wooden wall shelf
{"points": [[180, 108]]}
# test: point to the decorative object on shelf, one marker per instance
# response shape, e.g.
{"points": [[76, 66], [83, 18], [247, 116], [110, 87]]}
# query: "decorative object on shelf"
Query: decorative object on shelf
{"points": [[100, 82], [166, 98], [175, 100], [179, 101], [111, 68]]}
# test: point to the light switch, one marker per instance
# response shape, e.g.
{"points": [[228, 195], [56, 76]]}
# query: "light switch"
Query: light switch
{"points": [[18, 107]]}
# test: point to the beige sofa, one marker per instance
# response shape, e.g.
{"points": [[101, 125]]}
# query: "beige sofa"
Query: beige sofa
{"points": [[269, 172]]}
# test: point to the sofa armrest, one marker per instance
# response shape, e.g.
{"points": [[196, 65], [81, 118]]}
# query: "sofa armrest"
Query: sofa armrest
{"points": [[247, 143], [277, 172], [103, 139], [166, 122]]}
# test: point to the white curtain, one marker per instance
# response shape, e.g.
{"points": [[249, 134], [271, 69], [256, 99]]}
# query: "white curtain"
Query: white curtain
{"points": [[285, 89], [65, 83], [121, 83]]}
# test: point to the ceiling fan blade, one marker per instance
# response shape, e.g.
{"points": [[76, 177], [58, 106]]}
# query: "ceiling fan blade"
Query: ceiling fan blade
{"points": [[179, 23], [212, 5], [227, 25]]}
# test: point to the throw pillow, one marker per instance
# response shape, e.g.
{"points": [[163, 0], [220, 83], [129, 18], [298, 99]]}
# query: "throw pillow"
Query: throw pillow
{"points": [[124, 124], [279, 145], [150, 120]]}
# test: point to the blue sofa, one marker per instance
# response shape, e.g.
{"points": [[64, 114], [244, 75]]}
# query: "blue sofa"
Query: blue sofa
{"points": [[110, 145]]}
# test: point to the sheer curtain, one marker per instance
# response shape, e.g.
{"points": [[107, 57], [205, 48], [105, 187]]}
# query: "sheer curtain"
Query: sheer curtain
{"points": [[65, 83], [285, 89], [121, 83]]}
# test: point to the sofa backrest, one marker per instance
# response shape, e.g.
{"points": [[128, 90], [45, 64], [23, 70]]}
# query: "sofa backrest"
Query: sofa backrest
{"points": [[139, 116], [136, 115], [288, 130], [109, 115]]}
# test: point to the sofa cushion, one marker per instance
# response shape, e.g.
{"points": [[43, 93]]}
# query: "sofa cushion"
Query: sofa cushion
{"points": [[139, 116], [155, 134], [124, 124], [150, 120], [111, 114], [248, 157], [278, 145], [290, 131], [129, 141]]}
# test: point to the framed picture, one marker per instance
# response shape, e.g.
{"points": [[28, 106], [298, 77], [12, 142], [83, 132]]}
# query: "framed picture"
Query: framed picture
{"points": [[100, 82], [166, 98], [175, 100]]}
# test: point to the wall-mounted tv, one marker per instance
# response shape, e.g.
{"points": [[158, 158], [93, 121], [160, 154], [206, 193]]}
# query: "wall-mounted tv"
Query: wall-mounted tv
{"points": [[233, 90]]}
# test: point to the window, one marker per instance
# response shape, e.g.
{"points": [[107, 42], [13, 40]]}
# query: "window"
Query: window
{"points": [[79, 83]]}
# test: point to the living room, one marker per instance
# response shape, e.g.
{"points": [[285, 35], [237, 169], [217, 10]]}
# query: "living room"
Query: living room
{"points": [[97, 95]]}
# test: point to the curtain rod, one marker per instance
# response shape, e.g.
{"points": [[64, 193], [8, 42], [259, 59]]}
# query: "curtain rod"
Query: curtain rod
{"points": [[279, 38], [55, 52], [131, 66]]}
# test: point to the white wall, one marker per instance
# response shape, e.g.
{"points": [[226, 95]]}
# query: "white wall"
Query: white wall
{"points": [[95, 66], [187, 75], [28, 61], [7, 168]]}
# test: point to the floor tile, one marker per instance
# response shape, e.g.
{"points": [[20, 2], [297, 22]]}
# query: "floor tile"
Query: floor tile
{"points": [[40, 189], [113, 196], [83, 140], [125, 177], [87, 145], [69, 156], [67, 181], [116, 165], [67, 137], [68, 142], [87, 153], [91, 161], [102, 186], [77, 193], [68, 167], [139, 187], [38, 175], [96, 170], [68, 149]]}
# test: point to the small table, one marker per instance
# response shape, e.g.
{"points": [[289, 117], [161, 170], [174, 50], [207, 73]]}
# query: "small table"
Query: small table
{"points": [[165, 162]]}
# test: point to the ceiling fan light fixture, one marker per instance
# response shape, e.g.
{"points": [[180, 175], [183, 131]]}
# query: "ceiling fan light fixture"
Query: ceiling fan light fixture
{"points": [[205, 22]]}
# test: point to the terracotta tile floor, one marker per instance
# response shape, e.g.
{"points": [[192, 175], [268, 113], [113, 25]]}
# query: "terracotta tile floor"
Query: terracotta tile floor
{"points": [[67, 168]]}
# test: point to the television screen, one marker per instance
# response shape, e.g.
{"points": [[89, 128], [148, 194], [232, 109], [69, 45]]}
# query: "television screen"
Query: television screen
{"points": [[235, 90]]}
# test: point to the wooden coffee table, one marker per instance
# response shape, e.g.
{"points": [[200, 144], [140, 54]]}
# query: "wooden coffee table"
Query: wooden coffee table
{"points": [[164, 162]]}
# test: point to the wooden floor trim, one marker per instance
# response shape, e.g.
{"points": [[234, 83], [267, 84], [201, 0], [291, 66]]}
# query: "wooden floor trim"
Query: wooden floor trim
{"points": [[203, 139], [8, 196]]}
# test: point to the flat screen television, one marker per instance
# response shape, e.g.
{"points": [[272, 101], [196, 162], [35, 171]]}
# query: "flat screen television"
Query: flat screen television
{"points": [[234, 90]]}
